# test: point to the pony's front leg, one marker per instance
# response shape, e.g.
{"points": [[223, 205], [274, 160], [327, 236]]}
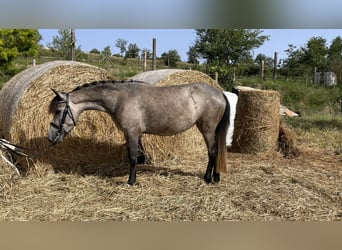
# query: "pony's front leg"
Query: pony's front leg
{"points": [[132, 147]]}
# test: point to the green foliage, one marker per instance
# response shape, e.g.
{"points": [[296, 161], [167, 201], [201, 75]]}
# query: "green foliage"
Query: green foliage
{"points": [[95, 51], [121, 44], [226, 48], [315, 53], [193, 55], [106, 51], [171, 58], [15, 42], [307, 99], [132, 51], [148, 53], [61, 44]]}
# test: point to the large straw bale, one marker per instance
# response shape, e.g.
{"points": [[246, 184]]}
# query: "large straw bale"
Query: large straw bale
{"points": [[25, 120], [257, 121], [184, 146]]}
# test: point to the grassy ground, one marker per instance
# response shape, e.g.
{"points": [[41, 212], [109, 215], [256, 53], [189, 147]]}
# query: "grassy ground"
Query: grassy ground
{"points": [[324, 131]]}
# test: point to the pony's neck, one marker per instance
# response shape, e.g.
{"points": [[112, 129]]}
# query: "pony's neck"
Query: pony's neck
{"points": [[90, 99]]}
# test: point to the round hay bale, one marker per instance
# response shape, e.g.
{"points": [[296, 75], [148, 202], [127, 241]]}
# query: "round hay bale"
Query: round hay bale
{"points": [[256, 127], [184, 146], [24, 102]]}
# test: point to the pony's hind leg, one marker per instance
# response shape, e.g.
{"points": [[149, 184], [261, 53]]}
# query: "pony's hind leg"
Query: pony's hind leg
{"points": [[132, 147], [210, 166], [142, 157], [211, 143]]}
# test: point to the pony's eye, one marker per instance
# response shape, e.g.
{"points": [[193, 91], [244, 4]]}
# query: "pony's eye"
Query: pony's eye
{"points": [[58, 112]]}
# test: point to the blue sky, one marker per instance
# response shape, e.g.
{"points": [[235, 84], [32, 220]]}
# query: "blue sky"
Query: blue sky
{"points": [[181, 39]]}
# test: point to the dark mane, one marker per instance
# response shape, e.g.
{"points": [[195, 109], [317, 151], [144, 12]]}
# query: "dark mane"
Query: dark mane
{"points": [[53, 104], [95, 83], [57, 99]]}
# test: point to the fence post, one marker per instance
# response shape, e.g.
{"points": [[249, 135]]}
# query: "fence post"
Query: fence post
{"points": [[275, 65], [154, 54], [262, 69], [216, 77], [145, 61], [73, 45]]}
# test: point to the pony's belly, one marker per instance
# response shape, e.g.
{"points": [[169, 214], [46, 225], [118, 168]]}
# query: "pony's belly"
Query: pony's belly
{"points": [[167, 130]]}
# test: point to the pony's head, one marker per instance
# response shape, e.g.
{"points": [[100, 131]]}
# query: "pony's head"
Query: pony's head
{"points": [[63, 120]]}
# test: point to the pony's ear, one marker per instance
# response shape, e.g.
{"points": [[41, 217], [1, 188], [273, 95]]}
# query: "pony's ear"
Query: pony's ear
{"points": [[55, 91], [61, 95]]}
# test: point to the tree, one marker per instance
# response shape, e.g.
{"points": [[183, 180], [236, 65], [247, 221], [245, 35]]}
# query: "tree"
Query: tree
{"points": [[293, 64], [226, 47], [315, 53], [171, 58], [121, 44], [132, 51], [269, 61], [193, 55], [62, 43], [95, 51], [15, 42], [335, 49], [106, 54], [334, 61], [148, 53]]}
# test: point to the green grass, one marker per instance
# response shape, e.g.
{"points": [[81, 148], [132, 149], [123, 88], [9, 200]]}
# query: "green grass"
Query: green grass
{"points": [[320, 129], [307, 99]]}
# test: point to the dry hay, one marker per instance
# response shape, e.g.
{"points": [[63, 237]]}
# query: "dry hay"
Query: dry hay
{"points": [[256, 127], [25, 120], [187, 145], [286, 140], [261, 187]]}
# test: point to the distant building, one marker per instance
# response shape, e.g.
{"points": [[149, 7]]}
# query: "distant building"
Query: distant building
{"points": [[326, 78]]}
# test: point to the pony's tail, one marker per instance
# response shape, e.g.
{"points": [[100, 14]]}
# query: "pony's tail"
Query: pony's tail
{"points": [[221, 133]]}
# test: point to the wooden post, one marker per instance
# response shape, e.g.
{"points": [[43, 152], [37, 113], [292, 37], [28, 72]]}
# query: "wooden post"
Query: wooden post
{"points": [[262, 69], [73, 45], [154, 54], [145, 61], [216, 77], [275, 65]]}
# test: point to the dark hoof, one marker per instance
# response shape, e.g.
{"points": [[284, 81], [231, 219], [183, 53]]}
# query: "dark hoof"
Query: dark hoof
{"points": [[216, 177], [130, 182], [141, 159], [207, 179]]}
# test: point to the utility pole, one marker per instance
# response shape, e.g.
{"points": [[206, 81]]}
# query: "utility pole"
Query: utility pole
{"points": [[154, 54], [73, 45]]}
